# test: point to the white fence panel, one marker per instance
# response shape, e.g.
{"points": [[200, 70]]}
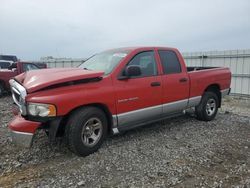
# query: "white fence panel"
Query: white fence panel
{"points": [[237, 60]]}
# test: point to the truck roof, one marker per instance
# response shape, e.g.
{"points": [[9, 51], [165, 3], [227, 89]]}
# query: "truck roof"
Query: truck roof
{"points": [[140, 48]]}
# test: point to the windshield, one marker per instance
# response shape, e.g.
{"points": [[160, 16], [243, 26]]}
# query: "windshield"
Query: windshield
{"points": [[29, 66], [105, 61]]}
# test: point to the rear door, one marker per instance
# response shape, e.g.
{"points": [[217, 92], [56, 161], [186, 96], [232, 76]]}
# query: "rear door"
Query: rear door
{"points": [[138, 99], [175, 83]]}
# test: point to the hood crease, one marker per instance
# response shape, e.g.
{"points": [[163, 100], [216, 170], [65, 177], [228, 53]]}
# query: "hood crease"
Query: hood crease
{"points": [[48, 78]]}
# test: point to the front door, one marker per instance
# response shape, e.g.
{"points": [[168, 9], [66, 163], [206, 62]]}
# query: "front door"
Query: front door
{"points": [[138, 99]]}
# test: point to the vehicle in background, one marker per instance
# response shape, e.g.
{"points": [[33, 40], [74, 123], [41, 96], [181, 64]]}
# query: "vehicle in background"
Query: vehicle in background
{"points": [[12, 59], [4, 64], [111, 92], [14, 69], [9, 58]]}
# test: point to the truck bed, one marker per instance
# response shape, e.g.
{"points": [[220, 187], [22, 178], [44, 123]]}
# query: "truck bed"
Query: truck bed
{"points": [[201, 77], [190, 69]]}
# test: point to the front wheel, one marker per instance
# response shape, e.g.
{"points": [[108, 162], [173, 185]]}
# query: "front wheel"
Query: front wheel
{"points": [[86, 130], [208, 107]]}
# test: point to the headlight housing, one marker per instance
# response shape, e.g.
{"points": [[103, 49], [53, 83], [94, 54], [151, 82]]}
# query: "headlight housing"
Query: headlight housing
{"points": [[42, 110]]}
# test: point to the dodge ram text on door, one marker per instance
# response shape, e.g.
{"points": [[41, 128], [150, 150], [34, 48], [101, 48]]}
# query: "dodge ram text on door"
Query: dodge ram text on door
{"points": [[111, 92]]}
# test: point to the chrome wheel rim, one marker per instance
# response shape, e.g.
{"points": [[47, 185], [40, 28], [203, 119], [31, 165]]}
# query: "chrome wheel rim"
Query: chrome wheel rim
{"points": [[91, 132], [210, 107]]}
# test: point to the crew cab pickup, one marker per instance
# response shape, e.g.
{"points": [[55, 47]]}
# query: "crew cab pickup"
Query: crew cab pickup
{"points": [[111, 92], [13, 69]]}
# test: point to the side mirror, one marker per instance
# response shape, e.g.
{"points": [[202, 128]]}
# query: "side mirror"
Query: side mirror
{"points": [[131, 71]]}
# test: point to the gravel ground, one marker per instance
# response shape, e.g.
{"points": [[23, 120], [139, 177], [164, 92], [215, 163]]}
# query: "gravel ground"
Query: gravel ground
{"points": [[180, 152]]}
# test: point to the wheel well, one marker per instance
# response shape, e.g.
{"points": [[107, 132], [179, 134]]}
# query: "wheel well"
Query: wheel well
{"points": [[215, 88], [103, 107]]}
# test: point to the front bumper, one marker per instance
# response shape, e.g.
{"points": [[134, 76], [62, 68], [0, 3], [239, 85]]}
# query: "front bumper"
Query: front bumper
{"points": [[22, 131], [22, 139]]}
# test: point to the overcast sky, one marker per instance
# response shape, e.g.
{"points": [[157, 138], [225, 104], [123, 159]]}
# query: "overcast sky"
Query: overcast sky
{"points": [[78, 28]]}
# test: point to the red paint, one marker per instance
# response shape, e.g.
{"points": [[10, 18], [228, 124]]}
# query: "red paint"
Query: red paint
{"points": [[21, 125], [110, 90], [34, 81], [5, 76]]}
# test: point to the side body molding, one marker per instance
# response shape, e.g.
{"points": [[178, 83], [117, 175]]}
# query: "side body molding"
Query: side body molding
{"points": [[139, 115], [152, 113]]}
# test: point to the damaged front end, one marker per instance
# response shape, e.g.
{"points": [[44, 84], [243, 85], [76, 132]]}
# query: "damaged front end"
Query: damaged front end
{"points": [[22, 130]]}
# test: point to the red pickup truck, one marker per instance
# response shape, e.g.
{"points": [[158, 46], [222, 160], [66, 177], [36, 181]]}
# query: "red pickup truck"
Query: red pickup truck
{"points": [[111, 92], [14, 69]]}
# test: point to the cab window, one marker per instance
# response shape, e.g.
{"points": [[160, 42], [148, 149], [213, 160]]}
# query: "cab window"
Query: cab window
{"points": [[170, 62], [146, 61]]}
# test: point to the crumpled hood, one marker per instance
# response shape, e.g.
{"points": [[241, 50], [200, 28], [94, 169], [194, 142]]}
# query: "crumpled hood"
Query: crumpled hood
{"points": [[39, 79]]}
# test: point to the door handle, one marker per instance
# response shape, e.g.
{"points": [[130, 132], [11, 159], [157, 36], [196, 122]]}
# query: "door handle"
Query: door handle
{"points": [[155, 84], [183, 80]]}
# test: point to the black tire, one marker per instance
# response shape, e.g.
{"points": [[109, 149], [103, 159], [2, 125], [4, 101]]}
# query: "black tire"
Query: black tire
{"points": [[77, 134], [202, 111], [1, 90]]}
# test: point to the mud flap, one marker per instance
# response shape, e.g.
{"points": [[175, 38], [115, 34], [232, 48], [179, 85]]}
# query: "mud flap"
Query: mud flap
{"points": [[53, 128]]}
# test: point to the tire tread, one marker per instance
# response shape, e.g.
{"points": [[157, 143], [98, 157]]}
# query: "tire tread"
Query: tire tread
{"points": [[200, 109], [71, 128]]}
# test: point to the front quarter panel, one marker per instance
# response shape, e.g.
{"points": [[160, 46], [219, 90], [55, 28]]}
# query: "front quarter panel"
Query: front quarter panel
{"points": [[70, 97]]}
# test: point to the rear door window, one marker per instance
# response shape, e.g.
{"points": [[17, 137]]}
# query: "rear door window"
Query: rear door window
{"points": [[170, 62]]}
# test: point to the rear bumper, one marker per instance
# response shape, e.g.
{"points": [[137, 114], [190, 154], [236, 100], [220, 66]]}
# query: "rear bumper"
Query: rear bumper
{"points": [[22, 131]]}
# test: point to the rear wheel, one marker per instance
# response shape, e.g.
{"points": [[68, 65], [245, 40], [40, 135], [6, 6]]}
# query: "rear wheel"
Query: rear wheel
{"points": [[86, 130], [208, 107]]}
